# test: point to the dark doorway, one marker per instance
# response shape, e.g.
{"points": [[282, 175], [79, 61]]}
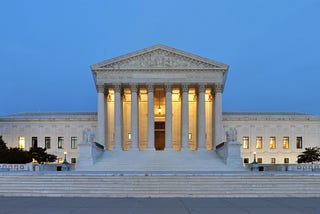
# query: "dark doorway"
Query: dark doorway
{"points": [[159, 135]]}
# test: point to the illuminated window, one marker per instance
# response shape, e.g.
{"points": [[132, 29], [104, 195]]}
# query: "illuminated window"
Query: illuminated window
{"points": [[21, 142], [259, 142], [245, 142], [60, 160], [34, 142], [73, 142], [60, 142], [47, 142], [273, 160], [272, 144], [286, 160], [299, 142], [259, 160], [286, 142]]}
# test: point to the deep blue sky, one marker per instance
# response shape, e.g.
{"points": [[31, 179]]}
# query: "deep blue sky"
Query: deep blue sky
{"points": [[272, 47]]}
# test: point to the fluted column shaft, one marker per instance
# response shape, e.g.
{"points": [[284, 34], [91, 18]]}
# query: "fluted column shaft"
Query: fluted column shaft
{"points": [[134, 118], [168, 127], [150, 117], [101, 116], [218, 115], [117, 118], [201, 118], [185, 118]]}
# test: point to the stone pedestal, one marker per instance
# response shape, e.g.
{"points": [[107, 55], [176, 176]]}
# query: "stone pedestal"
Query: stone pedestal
{"points": [[88, 154]]}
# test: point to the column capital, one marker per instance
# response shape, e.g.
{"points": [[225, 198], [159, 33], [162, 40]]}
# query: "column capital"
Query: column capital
{"points": [[150, 88], [201, 88], [100, 88], [218, 88], [134, 88], [168, 87], [117, 88], [185, 88]]}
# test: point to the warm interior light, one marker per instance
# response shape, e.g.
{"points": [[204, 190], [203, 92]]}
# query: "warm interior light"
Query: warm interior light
{"points": [[21, 142], [159, 110], [129, 136]]}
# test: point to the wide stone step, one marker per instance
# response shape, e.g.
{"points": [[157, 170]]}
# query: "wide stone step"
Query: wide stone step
{"points": [[160, 185]]}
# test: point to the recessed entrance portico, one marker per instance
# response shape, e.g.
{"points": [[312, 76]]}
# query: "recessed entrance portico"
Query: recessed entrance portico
{"points": [[159, 87]]}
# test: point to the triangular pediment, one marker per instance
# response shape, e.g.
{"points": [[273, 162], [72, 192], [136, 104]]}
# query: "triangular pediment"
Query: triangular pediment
{"points": [[159, 57]]}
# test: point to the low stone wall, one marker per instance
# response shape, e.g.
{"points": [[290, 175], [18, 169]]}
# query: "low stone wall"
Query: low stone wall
{"points": [[287, 167], [15, 167]]}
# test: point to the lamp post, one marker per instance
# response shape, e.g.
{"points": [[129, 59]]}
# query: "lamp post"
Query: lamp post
{"points": [[254, 164], [65, 166]]}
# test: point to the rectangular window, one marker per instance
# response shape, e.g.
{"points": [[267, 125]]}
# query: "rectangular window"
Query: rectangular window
{"points": [[47, 142], [60, 160], [286, 160], [73, 160], [299, 142], [259, 142], [259, 160], [73, 142], [34, 142], [286, 142], [272, 144], [273, 160], [245, 142], [21, 142], [60, 142], [245, 160]]}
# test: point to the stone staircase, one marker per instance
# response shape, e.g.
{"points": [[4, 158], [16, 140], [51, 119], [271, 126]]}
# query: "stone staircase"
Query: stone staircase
{"points": [[159, 184], [160, 161]]}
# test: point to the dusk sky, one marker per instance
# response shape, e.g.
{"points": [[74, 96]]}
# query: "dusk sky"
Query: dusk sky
{"points": [[272, 47]]}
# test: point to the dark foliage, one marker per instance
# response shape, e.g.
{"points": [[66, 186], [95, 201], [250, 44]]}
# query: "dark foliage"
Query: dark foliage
{"points": [[15, 155], [310, 155], [41, 156]]}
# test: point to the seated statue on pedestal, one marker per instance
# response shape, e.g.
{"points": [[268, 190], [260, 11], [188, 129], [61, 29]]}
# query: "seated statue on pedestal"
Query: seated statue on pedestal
{"points": [[231, 135]]}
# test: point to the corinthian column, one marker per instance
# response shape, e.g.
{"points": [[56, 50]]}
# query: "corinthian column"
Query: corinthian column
{"points": [[150, 117], [201, 118], [218, 114], [168, 127], [185, 117], [134, 118], [117, 118], [101, 116]]}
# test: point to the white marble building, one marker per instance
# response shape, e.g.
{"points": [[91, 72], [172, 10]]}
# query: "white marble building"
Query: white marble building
{"points": [[161, 100]]}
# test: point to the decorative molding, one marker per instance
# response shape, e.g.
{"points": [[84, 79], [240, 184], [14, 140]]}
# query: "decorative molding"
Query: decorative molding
{"points": [[185, 88], [168, 87], [159, 56], [101, 88], [201, 88], [134, 88], [117, 88], [149, 88], [218, 88]]}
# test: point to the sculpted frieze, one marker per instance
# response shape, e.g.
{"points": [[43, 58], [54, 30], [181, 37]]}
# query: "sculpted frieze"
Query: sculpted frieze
{"points": [[159, 59]]}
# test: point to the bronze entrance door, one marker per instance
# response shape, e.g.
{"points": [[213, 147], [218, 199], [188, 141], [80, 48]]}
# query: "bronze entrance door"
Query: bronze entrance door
{"points": [[159, 135]]}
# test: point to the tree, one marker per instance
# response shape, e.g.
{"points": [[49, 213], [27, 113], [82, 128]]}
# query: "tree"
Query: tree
{"points": [[13, 155], [41, 156], [310, 155]]}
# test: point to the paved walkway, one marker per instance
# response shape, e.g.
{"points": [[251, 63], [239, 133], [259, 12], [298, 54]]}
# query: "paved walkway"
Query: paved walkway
{"points": [[18, 205]]}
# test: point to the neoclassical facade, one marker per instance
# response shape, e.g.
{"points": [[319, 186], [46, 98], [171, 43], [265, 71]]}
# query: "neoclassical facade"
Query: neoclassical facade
{"points": [[159, 98], [161, 109]]}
